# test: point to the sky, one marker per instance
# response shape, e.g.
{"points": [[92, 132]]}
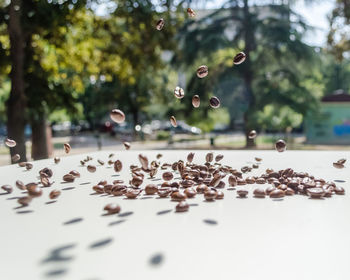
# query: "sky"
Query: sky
{"points": [[315, 15]]}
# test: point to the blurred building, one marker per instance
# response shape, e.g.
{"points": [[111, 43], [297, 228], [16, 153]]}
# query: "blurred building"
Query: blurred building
{"points": [[331, 124]]}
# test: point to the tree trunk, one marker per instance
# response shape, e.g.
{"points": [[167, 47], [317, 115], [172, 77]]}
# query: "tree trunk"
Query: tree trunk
{"points": [[249, 42], [40, 147], [16, 104]]}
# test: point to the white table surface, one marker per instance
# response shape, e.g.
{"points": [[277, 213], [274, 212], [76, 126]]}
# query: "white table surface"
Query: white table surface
{"points": [[295, 238]]}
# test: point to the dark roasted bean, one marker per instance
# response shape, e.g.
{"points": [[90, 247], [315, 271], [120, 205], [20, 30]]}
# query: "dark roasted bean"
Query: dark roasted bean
{"points": [[67, 148], [167, 176], [178, 196], [277, 193], [24, 201], [118, 166], [7, 188], [239, 58], [151, 189], [54, 194], [98, 188], [131, 193], [214, 102], [117, 116], [260, 193], [202, 71], [34, 190], [210, 195], [112, 208], [68, 178], [182, 206], [91, 168], [190, 192]]}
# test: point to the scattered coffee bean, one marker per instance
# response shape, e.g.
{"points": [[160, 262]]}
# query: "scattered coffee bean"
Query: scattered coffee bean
{"points": [[7, 188], [341, 161], [118, 166], [260, 193], [258, 159], [214, 102], [202, 71], [277, 193], [280, 146], [190, 12], [132, 193], [173, 121], [196, 101], [338, 165], [34, 190], [67, 148], [29, 166], [45, 181], [117, 116], [167, 176], [160, 24], [127, 145], [242, 193], [56, 160], [75, 173], [101, 162], [68, 178], [24, 201], [54, 194], [239, 58], [16, 158], [112, 208], [315, 192], [151, 189], [178, 196], [144, 161], [339, 190], [182, 206], [210, 195], [179, 92], [252, 134], [22, 164], [20, 185], [219, 157], [219, 195], [91, 168], [10, 143]]}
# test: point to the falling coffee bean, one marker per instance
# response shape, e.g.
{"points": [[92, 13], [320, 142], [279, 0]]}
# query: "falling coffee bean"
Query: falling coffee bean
{"points": [[16, 158], [34, 190], [182, 206], [214, 102], [190, 192], [341, 161], [132, 193], [160, 24], [196, 101], [91, 168], [219, 157], [7, 188], [112, 208], [20, 185], [98, 188], [151, 189], [239, 58], [68, 178], [118, 166], [117, 116], [10, 143], [338, 165], [252, 134], [28, 166], [75, 173], [173, 121], [57, 160], [190, 157], [24, 201], [280, 146], [202, 71], [127, 145], [67, 148], [144, 161], [54, 194], [190, 12], [179, 93]]}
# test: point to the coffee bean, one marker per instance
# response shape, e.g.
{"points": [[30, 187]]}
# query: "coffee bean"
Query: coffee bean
{"points": [[119, 190], [173, 121], [164, 192], [277, 193], [20, 185], [250, 180], [219, 195], [270, 189], [201, 188], [24, 201], [22, 164], [108, 188], [112, 208], [190, 12], [159, 156], [101, 162], [202, 71], [98, 188], [341, 161], [182, 206], [167, 176], [190, 157], [214, 102], [160, 24], [232, 180], [210, 195], [75, 173], [131, 193], [178, 196], [54, 194], [136, 181], [127, 145], [151, 189], [91, 168], [338, 165], [34, 190], [190, 192], [252, 134], [196, 101], [339, 190], [144, 161], [239, 58], [280, 146], [209, 157], [219, 157], [56, 160], [315, 192], [117, 116], [259, 193], [7, 188], [68, 178], [179, 93], [242, 193], [67, 148], [241, 182], [29, 166], [260, 181], [10, 143], [289, 191], [16, 158], [118, 166], [45, 181], [258, 159]]}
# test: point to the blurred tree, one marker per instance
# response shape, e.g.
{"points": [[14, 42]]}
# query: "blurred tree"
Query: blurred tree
{"points": [[278, 68]]}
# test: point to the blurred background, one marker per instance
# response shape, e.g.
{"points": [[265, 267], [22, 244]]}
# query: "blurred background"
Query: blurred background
{"points": [[64, 64]]}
